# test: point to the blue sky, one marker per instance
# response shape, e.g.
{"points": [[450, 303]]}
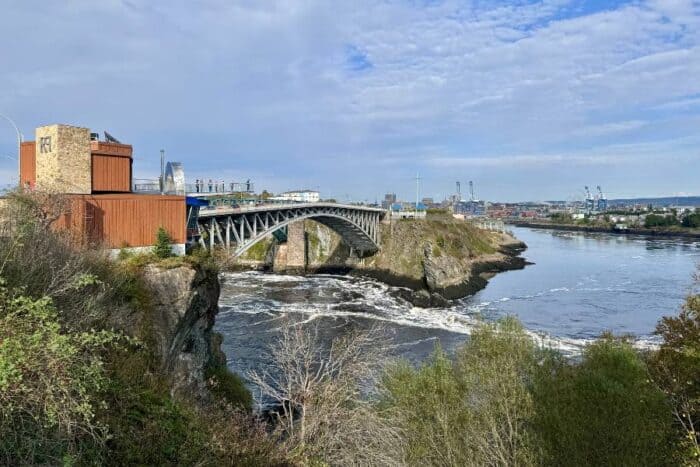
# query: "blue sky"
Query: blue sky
{"points": [[531, 100]]}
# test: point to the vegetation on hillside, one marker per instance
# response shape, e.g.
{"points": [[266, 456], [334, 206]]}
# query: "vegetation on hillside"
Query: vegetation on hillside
{"points": [[504, 401], [675, 368], [403, 244], [73, 391]]}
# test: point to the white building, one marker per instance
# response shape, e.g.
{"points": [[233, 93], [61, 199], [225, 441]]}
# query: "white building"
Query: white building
{"points": [[300, 196]]}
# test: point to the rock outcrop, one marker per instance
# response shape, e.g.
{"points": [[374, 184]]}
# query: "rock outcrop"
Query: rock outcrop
{"points": [[437, 259], [183, 306]]}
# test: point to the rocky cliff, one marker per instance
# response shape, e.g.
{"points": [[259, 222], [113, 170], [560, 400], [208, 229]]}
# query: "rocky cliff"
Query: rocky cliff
{"points": [[183, 305], [441, 259]]}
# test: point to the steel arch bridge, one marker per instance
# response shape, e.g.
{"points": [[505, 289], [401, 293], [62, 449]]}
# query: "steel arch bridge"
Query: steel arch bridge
{"points": [[238, 229]]}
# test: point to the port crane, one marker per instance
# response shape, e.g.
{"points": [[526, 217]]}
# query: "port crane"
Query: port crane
{"points": [[602, 200], [590, 201]]}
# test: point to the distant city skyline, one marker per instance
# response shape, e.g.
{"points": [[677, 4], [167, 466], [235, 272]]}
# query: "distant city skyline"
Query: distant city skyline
{"points": [[531, 100]]}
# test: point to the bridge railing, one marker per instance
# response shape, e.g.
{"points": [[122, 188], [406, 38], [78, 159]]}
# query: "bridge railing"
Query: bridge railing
{"points": [[152, 185], [220, 187], [261, 205]]}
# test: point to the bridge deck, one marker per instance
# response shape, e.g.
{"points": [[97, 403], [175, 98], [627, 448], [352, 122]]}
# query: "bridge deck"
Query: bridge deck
{"points": [[224, 211]]}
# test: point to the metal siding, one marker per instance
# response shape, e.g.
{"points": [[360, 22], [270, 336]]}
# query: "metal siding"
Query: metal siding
{"points": [[116, 220], [27, 163], [111, 173]]}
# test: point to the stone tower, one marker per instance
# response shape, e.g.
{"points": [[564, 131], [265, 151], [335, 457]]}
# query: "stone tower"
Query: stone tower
{"points": [[63, 159]]}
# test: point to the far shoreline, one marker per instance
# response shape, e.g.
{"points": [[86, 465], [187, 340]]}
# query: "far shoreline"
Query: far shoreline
{"points": [[598, 229]]}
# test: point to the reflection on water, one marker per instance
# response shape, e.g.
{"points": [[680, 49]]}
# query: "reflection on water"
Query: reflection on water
{"points": [[579, 286]]}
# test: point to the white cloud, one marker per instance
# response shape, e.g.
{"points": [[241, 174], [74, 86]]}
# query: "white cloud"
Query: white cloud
{"points": [[265, 84]]}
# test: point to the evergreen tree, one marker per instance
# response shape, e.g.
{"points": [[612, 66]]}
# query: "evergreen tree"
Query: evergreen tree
{"points": [[162, 247]]}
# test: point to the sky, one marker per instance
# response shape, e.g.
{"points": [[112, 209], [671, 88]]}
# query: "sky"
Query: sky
{"points": [[531, 100]]}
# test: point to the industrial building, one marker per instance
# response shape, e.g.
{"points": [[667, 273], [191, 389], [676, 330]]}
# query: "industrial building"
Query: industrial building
{"points": [[389, 199], [96, 177], [299, 196]]}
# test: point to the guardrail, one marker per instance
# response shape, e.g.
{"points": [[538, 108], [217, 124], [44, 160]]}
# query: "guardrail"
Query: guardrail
{"points": [[221, 187], [202, 188]]}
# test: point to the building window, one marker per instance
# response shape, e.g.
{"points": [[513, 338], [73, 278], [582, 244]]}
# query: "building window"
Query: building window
{"points": [[45, 144]]}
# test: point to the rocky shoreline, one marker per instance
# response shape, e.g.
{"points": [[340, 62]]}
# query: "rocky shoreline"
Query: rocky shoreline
{"points": [[430, 264], [432, 291]]}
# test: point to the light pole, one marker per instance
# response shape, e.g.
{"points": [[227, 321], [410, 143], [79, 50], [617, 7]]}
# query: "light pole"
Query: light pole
{"points": [[19, 146]]}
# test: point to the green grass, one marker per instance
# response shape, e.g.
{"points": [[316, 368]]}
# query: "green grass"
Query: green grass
{"points": [[258, 251], [228, 386]]}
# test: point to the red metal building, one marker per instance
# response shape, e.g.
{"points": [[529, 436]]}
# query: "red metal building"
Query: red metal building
{"points": [[109, 213]]}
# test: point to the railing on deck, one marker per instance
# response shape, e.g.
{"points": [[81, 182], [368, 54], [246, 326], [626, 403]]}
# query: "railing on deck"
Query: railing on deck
{"points": [[145, 185], [207, 187], [485, 223], [141, 185]]}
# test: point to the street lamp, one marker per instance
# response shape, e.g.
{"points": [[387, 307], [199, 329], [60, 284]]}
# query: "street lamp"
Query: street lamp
{"points": [[19, 145]]}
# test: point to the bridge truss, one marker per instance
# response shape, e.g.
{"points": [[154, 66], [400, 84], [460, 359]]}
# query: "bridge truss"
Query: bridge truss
{"points": [[239, 229]]}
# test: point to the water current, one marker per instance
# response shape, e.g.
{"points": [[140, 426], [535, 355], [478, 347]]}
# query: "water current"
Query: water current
{"points": [[579, 286]]}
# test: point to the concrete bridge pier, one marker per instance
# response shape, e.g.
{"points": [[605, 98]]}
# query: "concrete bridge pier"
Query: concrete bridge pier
{"points": [[291, 256]]}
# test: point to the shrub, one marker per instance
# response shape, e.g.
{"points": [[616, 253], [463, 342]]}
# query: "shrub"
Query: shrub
{"points": [[229, 386], [162, 248], [656, 220], [67, 395], [148, 427], [82, 282], [691, 220], [676, 369], [426, 404], [321, 414], [474, 411], [495, 369], [50, 385], [603, 411]]}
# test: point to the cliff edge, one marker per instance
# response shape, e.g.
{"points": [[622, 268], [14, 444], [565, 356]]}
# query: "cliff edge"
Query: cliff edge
{"points": [[441, 259], [176, 320]]}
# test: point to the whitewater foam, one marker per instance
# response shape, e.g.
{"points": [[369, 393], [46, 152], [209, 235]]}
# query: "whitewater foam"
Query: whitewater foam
{"points": [[367, 299]]}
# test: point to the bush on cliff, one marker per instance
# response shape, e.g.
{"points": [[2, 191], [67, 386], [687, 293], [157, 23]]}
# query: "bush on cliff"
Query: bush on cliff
{"points": [[51, 385], [676, 370], [504, 401], [148, 427], [44, 262], [603, 411], [67, 395], [322, 417], [473, 410], [229, 387]]}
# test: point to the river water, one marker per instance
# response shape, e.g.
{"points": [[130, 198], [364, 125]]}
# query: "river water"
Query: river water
{"points": [[579, 286]]}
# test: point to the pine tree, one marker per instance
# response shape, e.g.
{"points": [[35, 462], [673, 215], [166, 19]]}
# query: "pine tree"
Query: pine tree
{"points": [[162, 247]]}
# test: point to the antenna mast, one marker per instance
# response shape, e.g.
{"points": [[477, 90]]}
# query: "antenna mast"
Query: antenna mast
{"points": [[417, 191], [162, 171]]}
